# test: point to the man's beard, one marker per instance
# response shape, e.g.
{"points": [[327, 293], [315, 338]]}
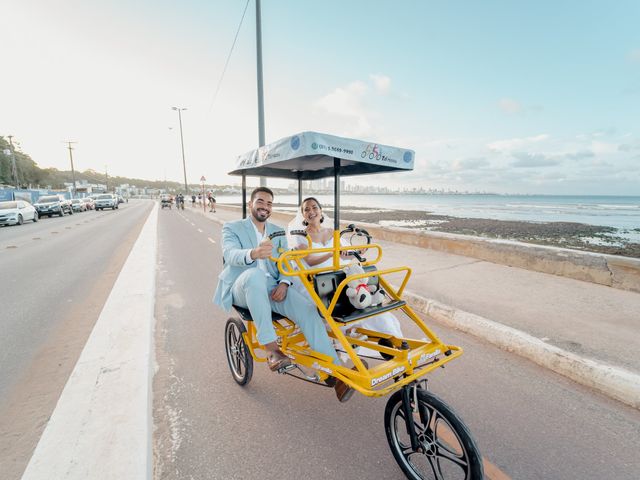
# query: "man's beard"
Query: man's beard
{"points": [[260, 216]]}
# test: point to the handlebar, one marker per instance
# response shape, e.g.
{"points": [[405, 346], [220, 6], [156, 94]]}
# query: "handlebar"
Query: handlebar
{"points": [[282, 233]]}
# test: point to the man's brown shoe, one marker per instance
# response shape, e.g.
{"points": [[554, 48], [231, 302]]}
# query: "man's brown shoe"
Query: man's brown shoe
{"points": [[343, 391], [277, 360]]}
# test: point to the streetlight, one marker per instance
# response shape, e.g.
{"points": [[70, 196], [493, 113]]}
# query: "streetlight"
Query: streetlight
{"points": [[184, 167]]}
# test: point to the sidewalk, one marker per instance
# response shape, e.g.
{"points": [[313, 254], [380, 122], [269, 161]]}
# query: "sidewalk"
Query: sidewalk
{"points": [[588, 332]]}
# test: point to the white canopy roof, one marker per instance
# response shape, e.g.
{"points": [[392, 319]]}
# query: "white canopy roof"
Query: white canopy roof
{"points": [[310, 155]]}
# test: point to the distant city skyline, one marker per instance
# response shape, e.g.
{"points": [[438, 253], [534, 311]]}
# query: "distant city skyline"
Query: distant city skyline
{"points": [[503, 97]]}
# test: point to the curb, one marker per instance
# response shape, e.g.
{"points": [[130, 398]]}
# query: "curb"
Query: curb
{"points": [[101, 426], [614, 382]]}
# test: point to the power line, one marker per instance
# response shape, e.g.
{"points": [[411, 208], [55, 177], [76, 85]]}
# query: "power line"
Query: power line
{"points": [[224, 70]]}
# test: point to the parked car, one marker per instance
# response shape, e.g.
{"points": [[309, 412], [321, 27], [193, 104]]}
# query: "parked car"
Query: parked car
{"points": [[120, 199], [106, 200], [78, 205], [17, 212], [53, 205], [89, 203]]}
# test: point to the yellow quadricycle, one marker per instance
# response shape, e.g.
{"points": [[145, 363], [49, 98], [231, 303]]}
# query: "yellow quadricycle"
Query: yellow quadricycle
{"points": [[427, 438]]}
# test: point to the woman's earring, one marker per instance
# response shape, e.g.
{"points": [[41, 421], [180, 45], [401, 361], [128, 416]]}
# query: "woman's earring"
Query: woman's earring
{"points": [[305, 223], [322, 219]]}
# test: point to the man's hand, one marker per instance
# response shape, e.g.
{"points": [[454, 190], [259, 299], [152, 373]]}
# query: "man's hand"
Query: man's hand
{"points": [[263, 250], [279, 293]]}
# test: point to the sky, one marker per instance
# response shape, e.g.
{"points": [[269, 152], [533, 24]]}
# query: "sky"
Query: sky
{"points": [[498, 96]]}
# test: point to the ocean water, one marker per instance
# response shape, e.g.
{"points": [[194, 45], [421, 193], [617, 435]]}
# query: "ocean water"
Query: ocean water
{"points": [[621, 212]]}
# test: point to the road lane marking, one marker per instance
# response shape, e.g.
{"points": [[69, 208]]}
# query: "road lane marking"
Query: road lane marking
{"points": [[200, 230], [211, 240]]}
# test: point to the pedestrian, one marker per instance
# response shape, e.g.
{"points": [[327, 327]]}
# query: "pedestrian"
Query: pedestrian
{"points": [[212, 203]]}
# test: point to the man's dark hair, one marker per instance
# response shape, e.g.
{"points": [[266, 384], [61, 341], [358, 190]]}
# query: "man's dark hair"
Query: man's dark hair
{"points": [[261, 189]]}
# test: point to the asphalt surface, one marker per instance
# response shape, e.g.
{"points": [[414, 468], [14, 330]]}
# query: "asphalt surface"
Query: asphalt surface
{"points": [[529, 422], [56, 276]]}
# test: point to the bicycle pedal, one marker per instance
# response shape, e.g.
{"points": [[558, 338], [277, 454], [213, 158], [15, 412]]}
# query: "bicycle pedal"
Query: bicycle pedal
{"points": [[287, 368]]}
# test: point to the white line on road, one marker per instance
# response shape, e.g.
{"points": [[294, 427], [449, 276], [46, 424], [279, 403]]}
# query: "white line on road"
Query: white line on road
{"points": [[211, 240], [200, 230], [101, 426]]}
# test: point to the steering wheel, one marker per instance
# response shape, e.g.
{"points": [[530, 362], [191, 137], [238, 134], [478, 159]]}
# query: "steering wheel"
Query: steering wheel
{"points": [[358, 236]]}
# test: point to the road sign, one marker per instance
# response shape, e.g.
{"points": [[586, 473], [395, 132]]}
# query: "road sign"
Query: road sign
{"points": [[202, 179]]}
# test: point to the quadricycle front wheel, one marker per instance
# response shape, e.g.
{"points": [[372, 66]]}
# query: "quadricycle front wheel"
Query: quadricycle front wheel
{"points": [[238, 355], [442, 447]]}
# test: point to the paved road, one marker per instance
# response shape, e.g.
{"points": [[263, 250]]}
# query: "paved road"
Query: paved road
{"points": [[530, 423], [56, 275]]}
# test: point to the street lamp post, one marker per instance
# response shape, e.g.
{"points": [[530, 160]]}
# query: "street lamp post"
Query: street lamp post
{"points": [[184, 166], [261, 141]]}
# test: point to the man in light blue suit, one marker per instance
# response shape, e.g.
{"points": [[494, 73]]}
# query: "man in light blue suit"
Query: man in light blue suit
{"points": [[250, 280]]}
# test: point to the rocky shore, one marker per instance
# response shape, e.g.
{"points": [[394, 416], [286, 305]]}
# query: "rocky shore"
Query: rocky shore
{"points": [[577, 236]]}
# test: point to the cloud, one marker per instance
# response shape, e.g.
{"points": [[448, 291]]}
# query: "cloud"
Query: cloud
{"points": [[382, 83], [473, 163], [515, 143], [531, 160], [348, 102], [510, 105], [352, 102], [579, 155]]}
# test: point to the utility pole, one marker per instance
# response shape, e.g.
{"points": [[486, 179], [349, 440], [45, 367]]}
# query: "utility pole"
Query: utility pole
{"points": [[263, 180], [184, 167], [106, 176], [14, 167], [73, 172]]}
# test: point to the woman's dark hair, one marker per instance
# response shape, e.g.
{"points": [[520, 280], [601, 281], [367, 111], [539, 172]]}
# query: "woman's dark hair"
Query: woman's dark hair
{"points": [[304, 222]]}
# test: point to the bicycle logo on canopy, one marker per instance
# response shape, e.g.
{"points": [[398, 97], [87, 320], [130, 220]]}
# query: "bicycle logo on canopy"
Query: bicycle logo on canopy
{"points": [[372, 151]]}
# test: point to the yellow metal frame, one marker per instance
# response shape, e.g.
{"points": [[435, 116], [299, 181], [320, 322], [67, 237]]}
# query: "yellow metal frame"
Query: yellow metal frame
{"points": [[406, 366]]}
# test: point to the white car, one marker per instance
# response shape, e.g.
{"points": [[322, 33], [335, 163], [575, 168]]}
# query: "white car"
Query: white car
{"points": [[17, 212], [106, 200]]}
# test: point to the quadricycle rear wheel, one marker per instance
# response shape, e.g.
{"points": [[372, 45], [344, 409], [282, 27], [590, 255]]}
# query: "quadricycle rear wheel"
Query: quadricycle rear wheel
{"points": [[445, 449], [238, 355]]}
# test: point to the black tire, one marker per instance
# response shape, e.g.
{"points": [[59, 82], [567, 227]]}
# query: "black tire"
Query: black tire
{"points": [[36, 217], [385, 342], [20, 219], [448, 450], [71, 211], [238, 355]]}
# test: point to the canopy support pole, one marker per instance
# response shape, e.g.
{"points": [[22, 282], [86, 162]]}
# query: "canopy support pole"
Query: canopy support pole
{"points": [[299, 191], [336, 193], [244, 196]]}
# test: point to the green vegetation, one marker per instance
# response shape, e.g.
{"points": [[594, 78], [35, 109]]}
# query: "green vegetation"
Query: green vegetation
{"points": [[32, 176]]}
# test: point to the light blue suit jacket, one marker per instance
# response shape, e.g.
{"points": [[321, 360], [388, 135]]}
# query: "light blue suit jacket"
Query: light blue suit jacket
{"points": [[237, 239]]}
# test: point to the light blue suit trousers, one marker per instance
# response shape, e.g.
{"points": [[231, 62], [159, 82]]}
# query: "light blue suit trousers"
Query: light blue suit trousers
{"points": [[252, 289], [248, 286]]}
